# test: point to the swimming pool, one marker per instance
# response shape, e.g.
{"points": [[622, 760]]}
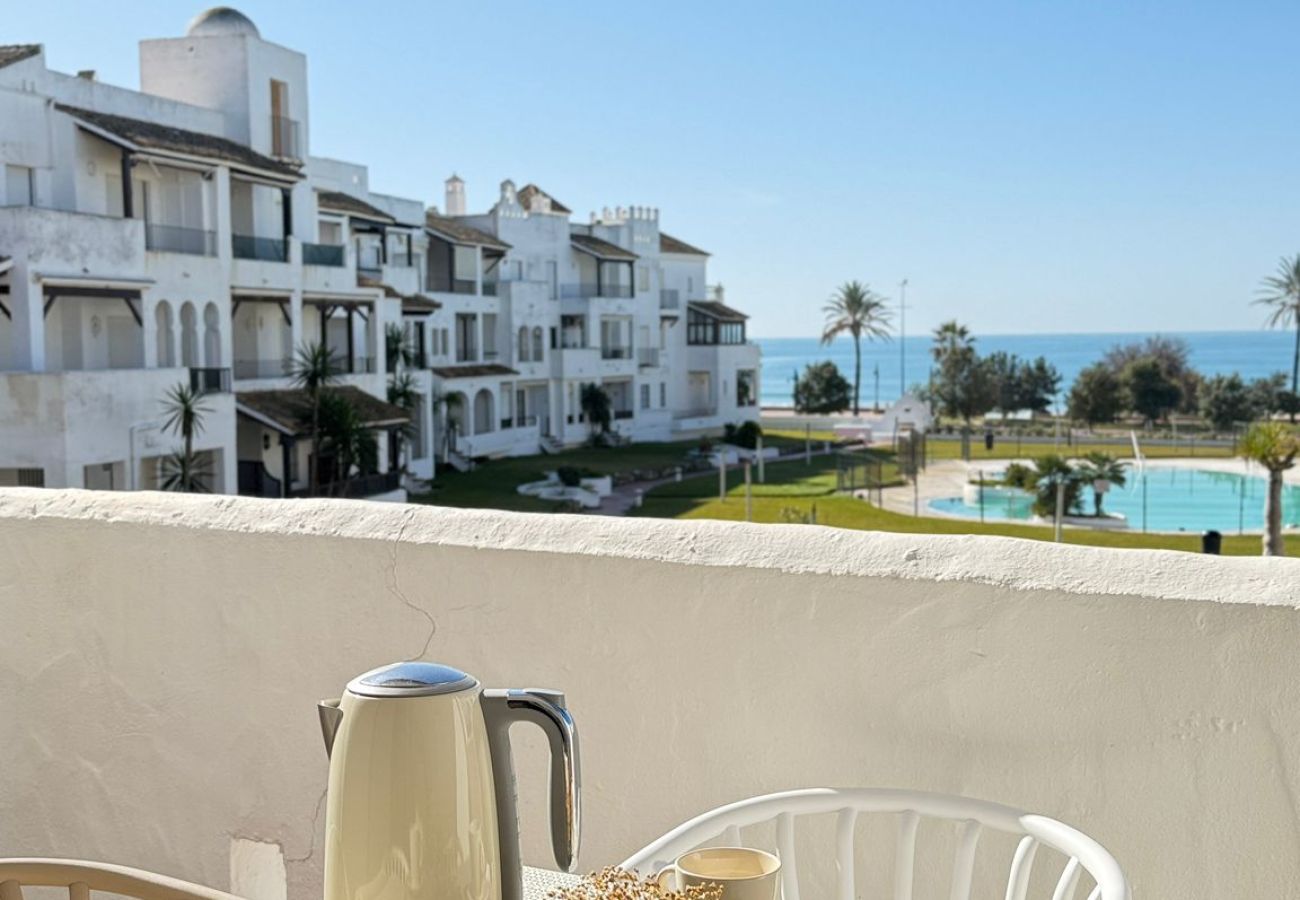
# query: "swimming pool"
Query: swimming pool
{"points": [[1176, 499]]}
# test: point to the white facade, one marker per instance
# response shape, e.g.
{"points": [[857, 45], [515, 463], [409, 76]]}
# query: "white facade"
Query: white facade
{"points": [[185, 232]]}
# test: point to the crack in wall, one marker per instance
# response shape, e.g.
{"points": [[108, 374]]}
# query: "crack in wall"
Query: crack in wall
{"points": [[315, 820], [395, 588]]}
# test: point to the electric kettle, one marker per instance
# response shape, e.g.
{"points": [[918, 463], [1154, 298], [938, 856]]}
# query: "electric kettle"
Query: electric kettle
{"points": [[421, 799]]}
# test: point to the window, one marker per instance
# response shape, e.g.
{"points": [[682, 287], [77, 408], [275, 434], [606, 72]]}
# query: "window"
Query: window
{"points": [[645, 396], [19, 187], [643, 278], [553, 278], [523, 344], [663, 394], [537, 344], [22, 478]]}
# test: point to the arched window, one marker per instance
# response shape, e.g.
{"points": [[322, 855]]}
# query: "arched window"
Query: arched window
{"points": [[211, 336], [537, 343], [483, 403], [189, 336], [523, 344], [165, 337]]}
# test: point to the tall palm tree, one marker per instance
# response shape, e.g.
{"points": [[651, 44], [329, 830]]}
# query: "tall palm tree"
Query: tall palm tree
{"points": [[185, 409], [402, 393], [1274, 446], [1281, 293], [857, 310], [596, 405], [313, 370]]}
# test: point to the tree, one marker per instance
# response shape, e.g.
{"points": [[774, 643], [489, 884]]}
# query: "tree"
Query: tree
{"points": [[345, 441], [1225, 401], [1096, 395], [313, 370], [597, 407], [397, 348], [1150, 391], [402, 393], [965, 386], [1269, 394], [1274, 446], [1102, 470], [1174, 356], [1049, 471], [951, 337], [1038, 384], [856, 310], [185, 471], [821, 389], [1281, 294]]}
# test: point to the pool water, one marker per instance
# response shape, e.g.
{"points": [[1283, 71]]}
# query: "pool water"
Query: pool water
{"points": [[1175, 500]]}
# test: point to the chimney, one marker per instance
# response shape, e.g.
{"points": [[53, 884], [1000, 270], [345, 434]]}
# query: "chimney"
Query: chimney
{"points": [[87, 75], [455, 196]]}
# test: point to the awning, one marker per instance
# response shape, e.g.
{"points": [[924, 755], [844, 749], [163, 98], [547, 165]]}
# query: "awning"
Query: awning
{"points": [[601, 249], [289, 411]]}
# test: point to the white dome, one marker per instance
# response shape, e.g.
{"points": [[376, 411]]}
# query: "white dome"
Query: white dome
{"points": [[221, 20]]}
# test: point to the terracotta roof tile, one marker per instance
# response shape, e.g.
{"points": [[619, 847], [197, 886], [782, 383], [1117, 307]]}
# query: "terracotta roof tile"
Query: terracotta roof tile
{"points": [[529, 191], [289, 411], [337, 201], [12, 53], [670, 244], [599, 248], [474, 371], [460, 233], [719, 311]]}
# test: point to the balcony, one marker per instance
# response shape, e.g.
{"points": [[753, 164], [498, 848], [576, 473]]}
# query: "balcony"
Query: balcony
{"points": [[1143, 696], [178, 239], [324, 255], [210, 381], [265, 249], [590, 290], [262, 368], [615, 352], [647, 357], [286, 138]]}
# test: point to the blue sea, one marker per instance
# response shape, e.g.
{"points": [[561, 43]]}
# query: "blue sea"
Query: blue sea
{"points": [[1253, 354]]}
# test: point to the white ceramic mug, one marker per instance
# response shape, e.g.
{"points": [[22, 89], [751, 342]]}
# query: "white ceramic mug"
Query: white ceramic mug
{"points": [[742, 872]]}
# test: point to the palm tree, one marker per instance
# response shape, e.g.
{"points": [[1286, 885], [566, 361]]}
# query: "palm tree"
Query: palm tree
{"points": [[856, 310], [1274, 446], [402, 393], [1281, 293], [313, 370], [596, 406], [1102, 470], [949, 338], [350, 444], [184, 471], [397, 347]]}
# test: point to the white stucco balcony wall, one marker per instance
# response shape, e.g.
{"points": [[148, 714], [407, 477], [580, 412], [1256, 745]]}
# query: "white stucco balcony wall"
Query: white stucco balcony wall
{"points": [[165, 654]]}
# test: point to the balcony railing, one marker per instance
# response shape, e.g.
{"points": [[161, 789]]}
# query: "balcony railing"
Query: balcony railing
{"points": [[587, 290], [255, 481], [262, 368], [323, 255], [401, 260], [374, 274], [489, 289], [210, 381], [179, 239], [246, 246], [507, 423], [623, 414], [360, 486], [286, 138], [619, 352], [463, 286], [648, 357], [670, 299]]}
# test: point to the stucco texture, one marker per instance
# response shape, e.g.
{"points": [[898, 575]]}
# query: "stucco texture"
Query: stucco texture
{"points": [[162, 657]]}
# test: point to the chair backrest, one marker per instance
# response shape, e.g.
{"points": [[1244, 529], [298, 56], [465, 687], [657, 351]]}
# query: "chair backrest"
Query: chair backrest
{"points": [[722, 826], [81, 877]]}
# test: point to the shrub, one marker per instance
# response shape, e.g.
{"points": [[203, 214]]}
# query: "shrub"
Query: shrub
{"points": [[569, 476], [1020, 476], [746, 435], [822, 389]]}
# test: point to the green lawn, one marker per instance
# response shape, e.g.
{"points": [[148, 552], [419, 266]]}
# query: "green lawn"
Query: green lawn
{"points": [[795, 490], [1006, 448]]}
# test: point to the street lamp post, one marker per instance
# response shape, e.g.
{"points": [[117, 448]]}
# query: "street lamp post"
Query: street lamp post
{"points": [[902, 337]]}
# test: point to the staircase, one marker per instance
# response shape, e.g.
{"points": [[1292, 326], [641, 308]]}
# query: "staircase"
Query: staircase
{"points": [[459, 462], [549, 445]]}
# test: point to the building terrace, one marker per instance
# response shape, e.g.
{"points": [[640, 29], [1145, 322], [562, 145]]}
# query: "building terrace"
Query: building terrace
{"points": [[166, 652]]}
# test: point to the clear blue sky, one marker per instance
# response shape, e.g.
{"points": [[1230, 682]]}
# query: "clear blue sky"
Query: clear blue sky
{"points": [[1030, 167]]}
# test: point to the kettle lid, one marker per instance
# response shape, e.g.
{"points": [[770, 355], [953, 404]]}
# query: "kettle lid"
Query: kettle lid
{"points": [[411, 679]]}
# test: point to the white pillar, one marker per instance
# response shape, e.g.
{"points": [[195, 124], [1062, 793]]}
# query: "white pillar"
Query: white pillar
{"points": [[27, 306]]}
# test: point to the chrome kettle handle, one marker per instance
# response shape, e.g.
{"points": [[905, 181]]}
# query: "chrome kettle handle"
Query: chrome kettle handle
{"points": [[546, 709]]}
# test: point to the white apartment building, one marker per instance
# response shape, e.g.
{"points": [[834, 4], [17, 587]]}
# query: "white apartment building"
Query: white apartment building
{"points": [[184, 234]]}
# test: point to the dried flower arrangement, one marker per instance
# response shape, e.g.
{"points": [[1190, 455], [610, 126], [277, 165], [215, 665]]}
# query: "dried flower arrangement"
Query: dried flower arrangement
{"points": [[614, 883]]}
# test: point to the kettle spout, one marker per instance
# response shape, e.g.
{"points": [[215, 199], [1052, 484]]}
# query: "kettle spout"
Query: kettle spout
{"points": [[331, 717]]}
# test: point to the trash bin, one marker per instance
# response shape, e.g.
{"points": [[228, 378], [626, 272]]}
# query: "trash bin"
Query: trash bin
{"points": [[1212, 542], [988, 440]]}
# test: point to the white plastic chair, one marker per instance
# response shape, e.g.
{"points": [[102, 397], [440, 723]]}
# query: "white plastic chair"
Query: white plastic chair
{"points": [[81, 877], [723, 825]]}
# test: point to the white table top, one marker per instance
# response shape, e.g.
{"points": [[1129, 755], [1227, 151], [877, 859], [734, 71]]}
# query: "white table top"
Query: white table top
{"points": [[540, 882]]}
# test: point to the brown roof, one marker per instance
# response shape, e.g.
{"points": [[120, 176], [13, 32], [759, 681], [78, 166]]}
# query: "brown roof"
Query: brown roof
{"points": [[670, 244], [600, 249], [12, 53], [152, 136], [472, 371], [719, 311], [289, 411], [529, 191], [416, 304], [459, 233], [337, 201]]}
